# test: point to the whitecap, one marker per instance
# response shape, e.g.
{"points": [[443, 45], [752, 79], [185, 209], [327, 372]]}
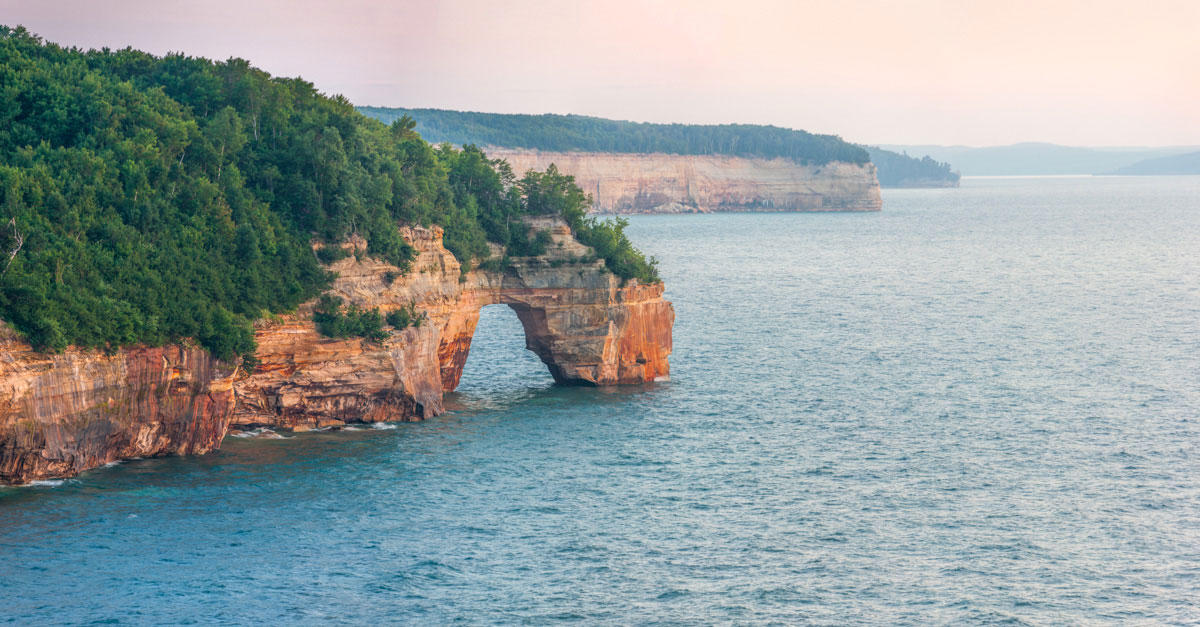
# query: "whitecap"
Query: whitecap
{"points": [[262, 433], [383, 425], [45, 483]]}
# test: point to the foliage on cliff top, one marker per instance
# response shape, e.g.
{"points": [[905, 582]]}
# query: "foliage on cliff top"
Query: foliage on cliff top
{"points": [[144, 200], [901, 170], [589, 134], [554, 193]]}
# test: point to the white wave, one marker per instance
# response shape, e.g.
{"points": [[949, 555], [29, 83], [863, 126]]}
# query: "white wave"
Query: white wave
{"points": [[262, 434], [383, 425], [45, 483]]}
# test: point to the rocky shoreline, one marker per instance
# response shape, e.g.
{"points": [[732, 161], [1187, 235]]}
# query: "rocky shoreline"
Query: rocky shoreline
{"points": [[61, 414]]}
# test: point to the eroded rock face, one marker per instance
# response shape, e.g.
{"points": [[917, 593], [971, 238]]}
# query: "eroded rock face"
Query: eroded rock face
{"points": [[586, 327], [304, 378], [662, 183], [583, 324], [62, 414]]}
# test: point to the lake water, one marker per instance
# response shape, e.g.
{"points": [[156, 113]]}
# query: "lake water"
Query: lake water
{"points": [[979, 406]]}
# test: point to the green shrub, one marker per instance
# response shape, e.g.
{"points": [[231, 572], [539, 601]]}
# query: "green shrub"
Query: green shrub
{"points": [[405, 317], [522, 245], [553, 193], [334, 321], [331, 254]]}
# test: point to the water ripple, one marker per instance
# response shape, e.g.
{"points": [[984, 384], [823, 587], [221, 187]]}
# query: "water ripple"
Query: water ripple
{"points": [[977, 407]]}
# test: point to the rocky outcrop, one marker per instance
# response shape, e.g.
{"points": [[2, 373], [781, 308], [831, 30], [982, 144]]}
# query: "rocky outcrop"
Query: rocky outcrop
{"points": [[305, 379], [663, 183], [61, 414], [586, 327]]}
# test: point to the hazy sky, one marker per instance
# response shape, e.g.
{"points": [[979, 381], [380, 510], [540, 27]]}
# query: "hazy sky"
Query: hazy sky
{"points": [[1096, 72]]}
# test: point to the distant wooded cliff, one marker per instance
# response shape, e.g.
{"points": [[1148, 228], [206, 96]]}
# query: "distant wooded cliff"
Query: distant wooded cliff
{"points": [[579, 133], [900, 170], [631, 167]]}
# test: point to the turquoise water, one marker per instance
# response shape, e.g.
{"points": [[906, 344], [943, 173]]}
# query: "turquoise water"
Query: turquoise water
{"points": [[979, 406]]}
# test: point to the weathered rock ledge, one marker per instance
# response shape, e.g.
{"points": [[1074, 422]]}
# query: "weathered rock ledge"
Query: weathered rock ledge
{"points": [[62, 414], [664, 183]]}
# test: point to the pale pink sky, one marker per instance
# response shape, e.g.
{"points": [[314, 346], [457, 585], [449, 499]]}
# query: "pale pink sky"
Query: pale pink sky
{"points": [[1097, 72]]}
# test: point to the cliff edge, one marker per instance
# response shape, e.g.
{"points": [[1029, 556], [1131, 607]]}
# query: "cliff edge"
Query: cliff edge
{"points": [[669, 183], [64, 413]]}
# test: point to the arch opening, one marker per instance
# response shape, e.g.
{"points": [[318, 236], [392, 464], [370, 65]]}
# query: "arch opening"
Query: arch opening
{"points": [[499, 359]]}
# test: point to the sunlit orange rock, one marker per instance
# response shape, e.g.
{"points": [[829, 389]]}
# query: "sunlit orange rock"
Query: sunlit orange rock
{"points": [[62, 414], [578, 318], [65, 413]]}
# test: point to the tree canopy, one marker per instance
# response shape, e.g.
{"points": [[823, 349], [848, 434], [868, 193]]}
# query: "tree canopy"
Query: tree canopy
{"points": [[145, 200], [588, 134], [900, 170]]}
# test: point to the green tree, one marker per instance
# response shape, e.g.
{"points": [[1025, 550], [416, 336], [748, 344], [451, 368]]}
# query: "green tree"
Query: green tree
{"points": [[156, 199]]}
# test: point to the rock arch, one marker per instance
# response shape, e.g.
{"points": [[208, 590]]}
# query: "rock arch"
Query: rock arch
{"points": [[585, 334], [584, 325], [62, 414]]}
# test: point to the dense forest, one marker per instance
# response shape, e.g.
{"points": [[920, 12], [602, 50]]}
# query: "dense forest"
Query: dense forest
{"points": [[900, 170], [146, 200], [588, 134]]}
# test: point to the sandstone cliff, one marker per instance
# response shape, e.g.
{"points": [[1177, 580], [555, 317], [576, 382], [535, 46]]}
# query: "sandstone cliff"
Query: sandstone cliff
{"points": [[61, 414], [663, 183]]}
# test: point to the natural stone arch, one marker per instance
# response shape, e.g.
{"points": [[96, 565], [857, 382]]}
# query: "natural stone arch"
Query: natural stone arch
{"points": [[581, 343], [584, 325], [61, 414]]}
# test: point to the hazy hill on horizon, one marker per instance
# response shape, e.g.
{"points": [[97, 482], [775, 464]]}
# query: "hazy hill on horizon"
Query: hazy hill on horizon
{"points": [[1186, 163], [1037, 158]]}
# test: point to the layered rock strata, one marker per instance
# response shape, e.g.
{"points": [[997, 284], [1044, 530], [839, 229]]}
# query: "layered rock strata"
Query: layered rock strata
{"points": [[61, 414], [663, 183]]}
